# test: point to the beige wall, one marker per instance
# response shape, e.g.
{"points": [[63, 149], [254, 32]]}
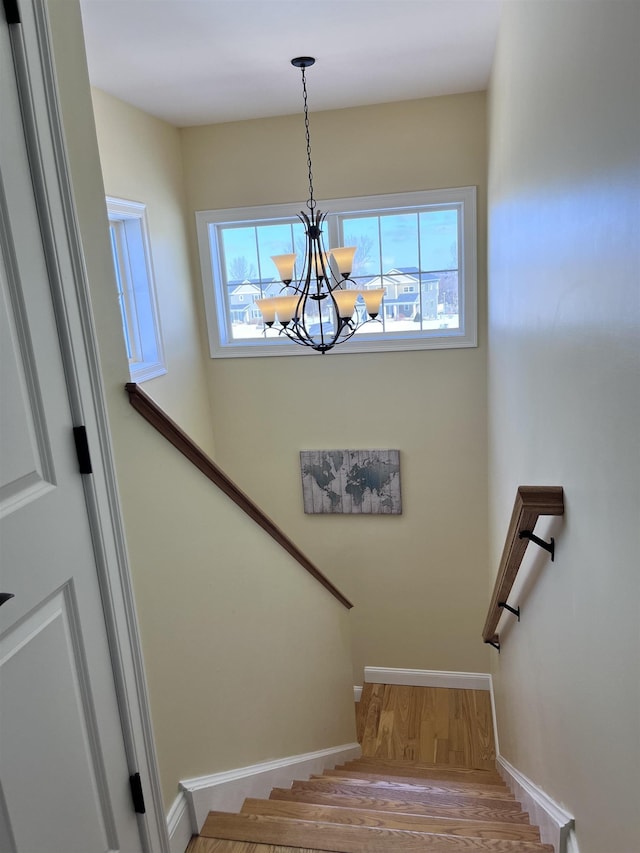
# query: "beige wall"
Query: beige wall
{"points": [[564, 398], [418, 581], [246, 656], [141, 161]]}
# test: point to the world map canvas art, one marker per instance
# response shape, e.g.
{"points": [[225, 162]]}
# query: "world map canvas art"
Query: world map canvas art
{"points": [[358, 482]]}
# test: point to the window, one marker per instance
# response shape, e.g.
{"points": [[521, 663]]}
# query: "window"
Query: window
{"points": [[420, 247], [136, 290]]}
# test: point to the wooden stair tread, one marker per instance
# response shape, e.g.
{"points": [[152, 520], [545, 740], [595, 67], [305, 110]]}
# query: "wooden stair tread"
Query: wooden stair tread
{"points": [[221, 845], [408, 769], [351, 839], [401, 792], [391, 820], [396, 767], [198, 844], [469, 812], [463, 787]]}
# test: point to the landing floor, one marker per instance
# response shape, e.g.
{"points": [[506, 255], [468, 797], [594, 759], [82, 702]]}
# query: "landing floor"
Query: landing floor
{"points": [[435, 725]]}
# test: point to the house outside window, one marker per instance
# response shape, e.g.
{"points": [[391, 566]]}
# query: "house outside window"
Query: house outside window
{"points": [[129, 237], [419, 247]]}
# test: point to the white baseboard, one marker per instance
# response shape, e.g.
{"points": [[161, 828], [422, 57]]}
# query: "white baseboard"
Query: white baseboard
{"points": [[494, 716], [357, 693], [556, 824], [179, 824], [428, 678], [226, 791]]}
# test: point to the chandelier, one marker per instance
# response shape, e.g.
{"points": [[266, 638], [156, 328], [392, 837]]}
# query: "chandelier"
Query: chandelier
{"points": [[318, 308]]}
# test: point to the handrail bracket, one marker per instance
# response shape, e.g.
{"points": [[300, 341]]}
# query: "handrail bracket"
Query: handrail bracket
{"points": [[514, 610], [495, 642], [548, 546]]}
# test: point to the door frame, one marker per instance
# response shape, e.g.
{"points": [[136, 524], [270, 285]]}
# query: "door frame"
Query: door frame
{"points": [[46, 150]]}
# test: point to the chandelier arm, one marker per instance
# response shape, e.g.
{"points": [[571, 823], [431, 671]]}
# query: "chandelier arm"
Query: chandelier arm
{"points": [[307, 267], [315, 265]]}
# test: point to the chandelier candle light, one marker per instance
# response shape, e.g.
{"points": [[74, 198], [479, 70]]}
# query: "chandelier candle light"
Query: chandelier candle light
{"points": [[318, 309]]}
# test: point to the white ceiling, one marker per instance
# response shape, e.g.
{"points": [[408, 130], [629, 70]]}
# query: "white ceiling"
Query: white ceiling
{"points": [[204, 61]]}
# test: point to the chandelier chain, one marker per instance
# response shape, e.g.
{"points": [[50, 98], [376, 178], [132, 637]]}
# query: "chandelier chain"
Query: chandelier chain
{"points": [[311, 203]]}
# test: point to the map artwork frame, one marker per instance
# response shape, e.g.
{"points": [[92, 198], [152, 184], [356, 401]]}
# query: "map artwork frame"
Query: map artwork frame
{"points": [[353, 482]]}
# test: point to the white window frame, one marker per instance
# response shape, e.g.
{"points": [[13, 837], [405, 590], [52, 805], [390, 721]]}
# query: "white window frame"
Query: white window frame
{"points": [[135, 271], [221, 342]]}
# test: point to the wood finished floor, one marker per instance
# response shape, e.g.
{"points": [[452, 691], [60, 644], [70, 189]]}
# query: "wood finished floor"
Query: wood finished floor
{"points": [[434, 725]]}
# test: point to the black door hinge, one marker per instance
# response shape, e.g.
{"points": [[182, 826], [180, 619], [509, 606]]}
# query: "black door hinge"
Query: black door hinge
{"points": [[82, 449], [136, 793], [12, 12]]}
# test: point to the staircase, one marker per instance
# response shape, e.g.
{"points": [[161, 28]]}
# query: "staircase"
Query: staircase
{"points": [[427, 782], [377, 806]]}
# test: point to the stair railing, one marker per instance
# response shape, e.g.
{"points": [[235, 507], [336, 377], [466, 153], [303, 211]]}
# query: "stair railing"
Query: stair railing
{"points": [[159, 419], [531, 502]]}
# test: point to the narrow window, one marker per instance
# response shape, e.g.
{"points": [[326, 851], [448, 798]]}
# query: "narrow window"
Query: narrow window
{"points": [[136, 288]]}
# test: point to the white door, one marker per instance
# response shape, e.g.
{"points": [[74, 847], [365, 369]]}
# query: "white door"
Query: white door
{"points": [[63, 769]]}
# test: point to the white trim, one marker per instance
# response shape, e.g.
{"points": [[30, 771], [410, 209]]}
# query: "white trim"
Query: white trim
{"points": [[179, 824], [357, 693], [226, 791], [78, 344], [556, 824], [572, 843], [428, 678], [494, 716]]}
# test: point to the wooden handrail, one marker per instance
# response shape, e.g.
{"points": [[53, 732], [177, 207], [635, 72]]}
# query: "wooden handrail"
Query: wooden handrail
{"points": [[150, 410], [531, 502]]}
